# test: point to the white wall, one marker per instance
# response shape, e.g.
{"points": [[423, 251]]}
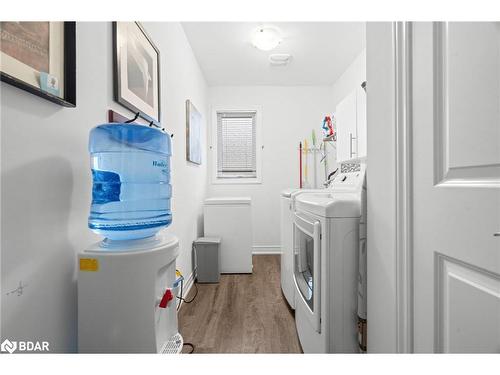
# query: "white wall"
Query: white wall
{"points": [[381, 192], [288, 116], [46, 184], [182, 79]]}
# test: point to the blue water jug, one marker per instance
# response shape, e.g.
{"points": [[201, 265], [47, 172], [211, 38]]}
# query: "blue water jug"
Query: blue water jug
{"points": [[131, 188]]}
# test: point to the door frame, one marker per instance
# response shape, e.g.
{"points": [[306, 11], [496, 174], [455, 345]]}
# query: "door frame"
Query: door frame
{"points": [[390, 251], [404, 185]]}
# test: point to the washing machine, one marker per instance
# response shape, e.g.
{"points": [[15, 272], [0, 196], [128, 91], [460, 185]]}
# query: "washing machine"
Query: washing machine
{"points": [[287, 204], [326, 263]]}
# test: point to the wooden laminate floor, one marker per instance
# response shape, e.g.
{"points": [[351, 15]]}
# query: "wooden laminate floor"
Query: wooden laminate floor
{"points": [[241, 314]]}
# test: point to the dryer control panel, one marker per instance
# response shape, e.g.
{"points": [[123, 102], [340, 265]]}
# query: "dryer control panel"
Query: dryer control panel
{"points": [[350, 179]]}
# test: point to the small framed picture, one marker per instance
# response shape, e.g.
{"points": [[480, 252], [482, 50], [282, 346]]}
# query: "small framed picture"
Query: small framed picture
{"points": [[136, 70], [40, 57], [193, 133]]}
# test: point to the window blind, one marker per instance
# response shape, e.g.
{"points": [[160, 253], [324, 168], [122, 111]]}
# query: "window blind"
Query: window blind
{"points": [[236, 145]]}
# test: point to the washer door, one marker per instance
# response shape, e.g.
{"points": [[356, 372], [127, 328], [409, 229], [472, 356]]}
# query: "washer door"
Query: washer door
{"points": [[307, 266]]}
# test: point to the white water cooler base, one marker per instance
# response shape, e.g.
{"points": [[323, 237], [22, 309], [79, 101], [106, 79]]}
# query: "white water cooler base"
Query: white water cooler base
{"points": [[126, 299], [174, 345]]}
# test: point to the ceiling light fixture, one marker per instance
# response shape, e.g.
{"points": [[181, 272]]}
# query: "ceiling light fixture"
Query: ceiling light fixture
{"points": [[279, 59], [266, 38]]}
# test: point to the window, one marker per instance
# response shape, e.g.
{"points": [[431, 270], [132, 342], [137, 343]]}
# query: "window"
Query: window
{"points": [[236, 140]]}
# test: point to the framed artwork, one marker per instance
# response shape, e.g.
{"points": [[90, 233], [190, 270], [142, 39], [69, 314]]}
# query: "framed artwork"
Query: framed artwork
{"points": [[40, 57], [193, 133], [136, 70]]}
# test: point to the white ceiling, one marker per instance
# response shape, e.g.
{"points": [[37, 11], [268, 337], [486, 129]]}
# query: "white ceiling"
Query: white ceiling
{"points": [[321, 52]]}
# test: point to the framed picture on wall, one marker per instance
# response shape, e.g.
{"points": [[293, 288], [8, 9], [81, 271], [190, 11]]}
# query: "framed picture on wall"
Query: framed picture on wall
{"points": [[136, 70], [40, 57], [193, 133]]}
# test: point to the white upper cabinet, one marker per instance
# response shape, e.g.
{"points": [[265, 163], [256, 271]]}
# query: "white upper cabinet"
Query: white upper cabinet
{"points": [[361, 121], [351, 126], [346, 128]]}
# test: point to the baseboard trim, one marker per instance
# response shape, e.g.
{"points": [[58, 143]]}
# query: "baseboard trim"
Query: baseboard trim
{"points": [[188, 284], [266, 250]]}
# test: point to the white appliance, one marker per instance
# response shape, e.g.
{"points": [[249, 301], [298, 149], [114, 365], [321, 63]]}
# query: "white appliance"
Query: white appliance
{"points": [[287, 283], [230, 218], [288, 197], [362, 275], [326, 245], [126, 297]]}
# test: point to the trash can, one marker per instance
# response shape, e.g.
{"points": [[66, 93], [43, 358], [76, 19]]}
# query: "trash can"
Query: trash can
{"points": [[207, 259]]}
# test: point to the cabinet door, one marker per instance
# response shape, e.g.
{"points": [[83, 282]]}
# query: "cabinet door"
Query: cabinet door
{"points": [[346, 128], [361, 122]]}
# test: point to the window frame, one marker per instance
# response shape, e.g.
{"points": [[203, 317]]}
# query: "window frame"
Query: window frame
{"points": [[216, 180]]}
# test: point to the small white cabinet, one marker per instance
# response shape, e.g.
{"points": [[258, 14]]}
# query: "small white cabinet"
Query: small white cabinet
{"points": [[351, 126], [230, 218]]}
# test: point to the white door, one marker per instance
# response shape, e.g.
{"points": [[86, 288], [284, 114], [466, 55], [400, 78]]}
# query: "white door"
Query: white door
{"points": [[346, 128], [456, 185]]}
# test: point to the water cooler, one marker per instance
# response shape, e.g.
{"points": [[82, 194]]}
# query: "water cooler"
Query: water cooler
{"points": [[127, 282]]}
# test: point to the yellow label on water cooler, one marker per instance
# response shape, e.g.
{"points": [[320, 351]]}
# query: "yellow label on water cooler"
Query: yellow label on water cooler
{"points": [[89, 264]]}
